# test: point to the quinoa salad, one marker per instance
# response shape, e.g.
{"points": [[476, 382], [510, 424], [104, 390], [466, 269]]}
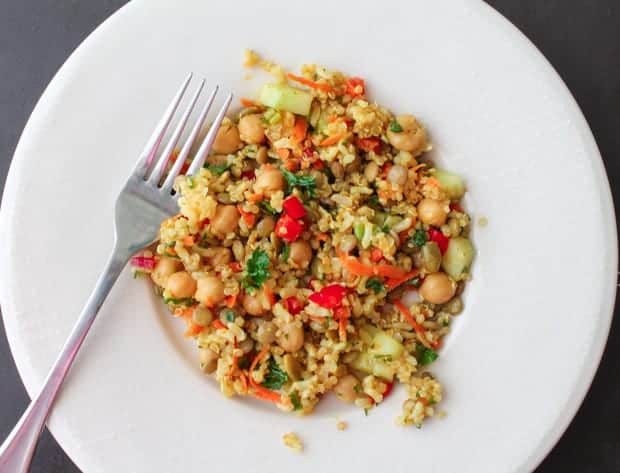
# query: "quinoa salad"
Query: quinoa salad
{"points": [[319, 249]]}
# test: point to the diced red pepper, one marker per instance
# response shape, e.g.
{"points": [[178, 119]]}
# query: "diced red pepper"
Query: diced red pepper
{"points": [[376, 255], [388, 390], [288, 228], [293, 207], [250, 175], [318, 164], [355, 87], [235, 266], [330, 297], [368, 144], [308, 152], [439, 238], [143, 262], [456, 206], [293, 305]]}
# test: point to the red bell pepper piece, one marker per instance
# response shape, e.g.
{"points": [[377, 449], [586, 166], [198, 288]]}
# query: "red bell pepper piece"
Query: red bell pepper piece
{"points": [[293, 207], [368, 144], [293, 305], [250, 175], [330, 297], [439, 238], [388, 390], [288, 228]]}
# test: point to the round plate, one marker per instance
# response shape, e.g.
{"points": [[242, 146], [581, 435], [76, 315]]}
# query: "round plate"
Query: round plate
{"points": [[520, 357]]}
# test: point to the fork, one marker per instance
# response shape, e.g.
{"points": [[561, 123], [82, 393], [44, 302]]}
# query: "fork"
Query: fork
{"points": [[143, 203]]}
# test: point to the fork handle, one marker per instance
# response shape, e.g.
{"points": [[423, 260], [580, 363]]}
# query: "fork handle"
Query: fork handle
{"points": [[17, 450]]}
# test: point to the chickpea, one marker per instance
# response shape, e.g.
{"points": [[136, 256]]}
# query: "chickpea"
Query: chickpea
{"points": [[292, 337], [371, 171], [202, 316], [221, 256], [208, 360], [261, 155], [225, 220], [265, 226], [300, 254], [412, 138], [397, 175], [265, 332], [269, 181], [209, 291], [432, 212], [227, 140], [163, 269], [251, 129], [181, 284], [437, 288], [345, 388], [253, 305]]}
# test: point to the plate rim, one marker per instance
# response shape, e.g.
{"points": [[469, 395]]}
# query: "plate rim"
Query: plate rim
{"points": [[596, 350]]}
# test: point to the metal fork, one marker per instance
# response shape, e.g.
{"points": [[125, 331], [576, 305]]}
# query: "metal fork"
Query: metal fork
{"points": [[141, 206]]}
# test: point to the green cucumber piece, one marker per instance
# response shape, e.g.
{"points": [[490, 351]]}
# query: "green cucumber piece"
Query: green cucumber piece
{"points": [[452, 184], [458, 257], [286, 98]]}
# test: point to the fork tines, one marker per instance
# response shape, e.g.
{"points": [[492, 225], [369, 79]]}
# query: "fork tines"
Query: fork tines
{"points": [[153, 174]]}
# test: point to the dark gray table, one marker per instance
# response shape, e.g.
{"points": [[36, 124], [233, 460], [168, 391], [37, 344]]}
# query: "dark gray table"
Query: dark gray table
{"points": [[581, 38]]}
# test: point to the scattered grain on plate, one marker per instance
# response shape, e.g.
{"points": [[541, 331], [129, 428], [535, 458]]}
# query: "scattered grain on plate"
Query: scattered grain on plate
{"points": [[483, 221], [292, 441], [342, 425]]}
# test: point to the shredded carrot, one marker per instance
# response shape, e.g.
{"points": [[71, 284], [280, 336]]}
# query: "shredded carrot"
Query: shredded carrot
{"points": [[310, 83], [193, 330], [393, 283], [270, 295], [283, 153], [185, 313], [376, 255], [218, 324], [423, 400], [353, 265], [259, 391], [300, 129], [433, 182], [235, 266], [332, 140], [248, 217], [244, 382], [403, 310], [246, 102], [188, 241], [436, 344], [332, 119], [322, 237], [291, 165], [257, 197], [231, 300], [342, 329]]}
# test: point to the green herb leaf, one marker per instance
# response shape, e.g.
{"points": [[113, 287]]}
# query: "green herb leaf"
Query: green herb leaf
{"points": [[256, 270], [375, 285], [306, 183], [230, 316], [218, 169], [190, 179], [295, 401], [357, 388], [395, 126], [373, 201], [276, 377], [186, 301], [286, 251], [416, 282], [419, 238], [425, 355], [267, 208]]}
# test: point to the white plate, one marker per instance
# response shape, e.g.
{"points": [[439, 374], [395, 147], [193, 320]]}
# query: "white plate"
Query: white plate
{"points": [[521, 356]]}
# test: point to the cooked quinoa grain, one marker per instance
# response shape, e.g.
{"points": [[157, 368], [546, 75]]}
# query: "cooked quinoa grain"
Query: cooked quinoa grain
{"points": [[318, 250]]}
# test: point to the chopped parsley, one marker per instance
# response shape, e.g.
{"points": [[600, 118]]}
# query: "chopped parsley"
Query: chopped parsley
{"points": [[419, 238], [276, 377], [395, 126], [230, 315], [267, 208], [190, 180], [373, 201], [304, 183], [256, 270], [295, 401], [218, 169], [357, 388], [203, 240], [375, 285], [286, 251], [416, 282], [425, 355], [186, 301]]}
